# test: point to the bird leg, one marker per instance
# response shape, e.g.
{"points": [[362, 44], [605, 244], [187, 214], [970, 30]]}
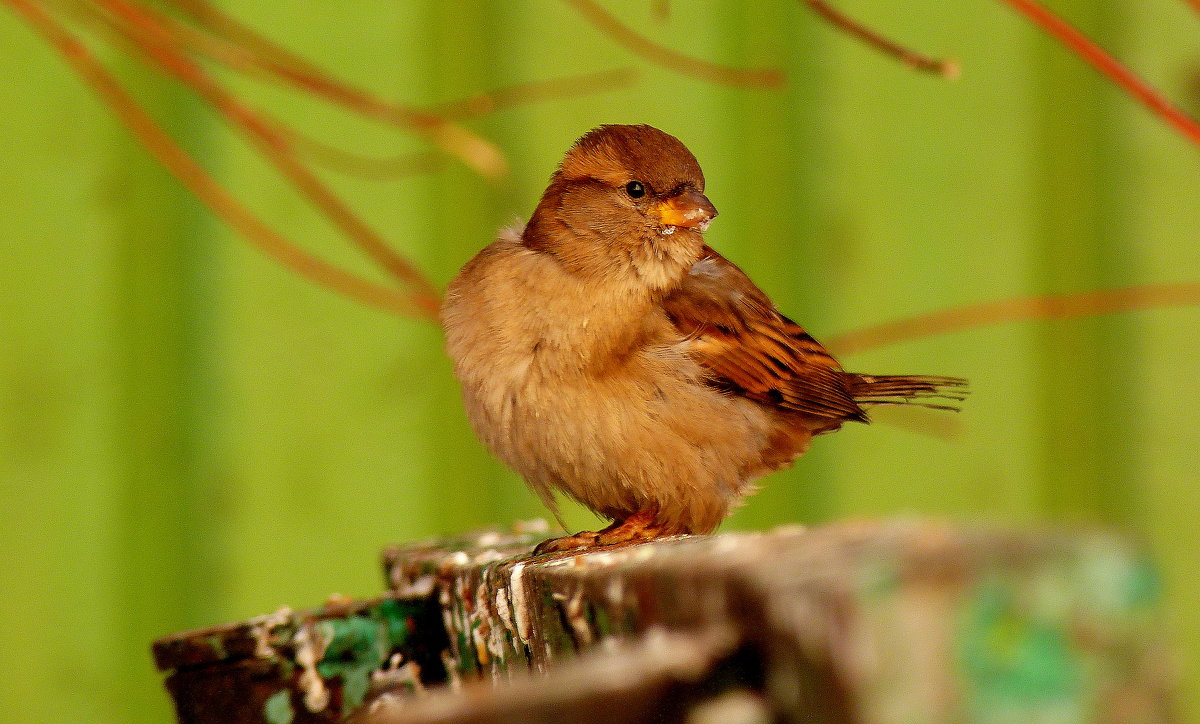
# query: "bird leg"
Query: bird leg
{"points": [[639, 527]]}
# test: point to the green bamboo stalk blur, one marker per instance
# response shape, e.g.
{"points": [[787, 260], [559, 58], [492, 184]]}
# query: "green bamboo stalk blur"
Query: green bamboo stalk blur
{"points": [[190, 435]]}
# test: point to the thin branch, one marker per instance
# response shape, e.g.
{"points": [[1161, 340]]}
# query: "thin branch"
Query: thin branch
{"points": [[239, 47], [408, 164], [919, 61], [139, 26], [200, 183], [365, 166], [672, 59], [1109, 66], [1020, 309], [537, 91]]}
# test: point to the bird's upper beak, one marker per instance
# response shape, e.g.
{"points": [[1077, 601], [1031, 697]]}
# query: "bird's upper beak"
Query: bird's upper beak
{"points": [[688, 209]]}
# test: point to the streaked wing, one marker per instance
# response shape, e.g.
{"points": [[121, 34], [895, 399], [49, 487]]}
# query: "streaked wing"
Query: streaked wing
{"points": [[751, 349]]}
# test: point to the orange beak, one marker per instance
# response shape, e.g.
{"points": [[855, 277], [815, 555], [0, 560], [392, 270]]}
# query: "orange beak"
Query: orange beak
{"points": [[688, 209]]}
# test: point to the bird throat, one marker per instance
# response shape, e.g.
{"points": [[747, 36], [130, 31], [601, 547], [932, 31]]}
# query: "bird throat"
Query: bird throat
{"points": [[662, 260]]}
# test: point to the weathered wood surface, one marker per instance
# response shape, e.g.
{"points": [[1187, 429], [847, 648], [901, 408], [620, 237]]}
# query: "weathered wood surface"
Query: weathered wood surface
{"points": [[300, 667], [859, 622], [856, 622]]}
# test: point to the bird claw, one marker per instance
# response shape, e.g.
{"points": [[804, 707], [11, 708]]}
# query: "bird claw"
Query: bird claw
{"points": [[637, 528], [583, 539]]}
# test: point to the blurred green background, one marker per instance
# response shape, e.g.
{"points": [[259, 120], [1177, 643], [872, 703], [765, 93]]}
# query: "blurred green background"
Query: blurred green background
{"points": [[190, 435]]}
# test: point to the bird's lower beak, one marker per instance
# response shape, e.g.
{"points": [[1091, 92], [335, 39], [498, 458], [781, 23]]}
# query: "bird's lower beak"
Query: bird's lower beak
{"points": [[688, 209]]}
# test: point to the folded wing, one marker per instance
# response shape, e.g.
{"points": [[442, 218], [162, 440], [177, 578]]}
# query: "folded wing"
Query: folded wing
{"points": [[750, 349]]}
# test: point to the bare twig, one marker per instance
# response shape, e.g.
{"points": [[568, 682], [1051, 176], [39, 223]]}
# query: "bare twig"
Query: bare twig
{"points": [[887, 46], [140, 26], [536, 91], [229, 42], [1109, 66], [672, 59], [365, 166], [480, 104], [1020, 309], [192, 175]]}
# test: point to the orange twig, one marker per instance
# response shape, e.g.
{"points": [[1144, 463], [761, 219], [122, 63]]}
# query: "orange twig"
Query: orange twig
{"points": [[192, 175], [1020, 309], [364, 166], [674, 60], [887, 46], [1109, 66], [534, 91], [139, 26], [239, 47], [407, 164]]}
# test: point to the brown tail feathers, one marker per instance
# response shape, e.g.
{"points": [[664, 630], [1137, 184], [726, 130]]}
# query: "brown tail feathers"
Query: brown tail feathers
{"points": [[934, 392]]}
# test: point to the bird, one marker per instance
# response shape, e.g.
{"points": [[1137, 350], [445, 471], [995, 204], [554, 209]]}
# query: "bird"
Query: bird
{"points": [[605, 352]]}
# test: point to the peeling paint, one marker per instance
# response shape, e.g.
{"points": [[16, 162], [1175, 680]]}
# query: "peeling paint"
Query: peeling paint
{"points": [[263, 629], [520, 606], [310, 648]]}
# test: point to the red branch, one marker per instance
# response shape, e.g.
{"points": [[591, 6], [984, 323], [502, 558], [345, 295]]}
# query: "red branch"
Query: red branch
{"points": [[235, 45], [672, 59], [536, 91], [480, 104], [1109, 66], [1020, 309], [139, 26], [199, 182], [887, 46]]}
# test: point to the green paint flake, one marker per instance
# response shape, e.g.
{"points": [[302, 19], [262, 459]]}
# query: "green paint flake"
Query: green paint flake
{"points": [[601, 620], [396, 618], [278, 709], [355, 681], [1014, 660], [359, 645], [879, 579], [465, 653], [217, 644], [1143, 587], [356, 637]]}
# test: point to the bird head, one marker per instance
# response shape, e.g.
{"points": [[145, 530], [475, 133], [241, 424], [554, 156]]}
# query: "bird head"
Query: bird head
{"points": [[625, 194]]}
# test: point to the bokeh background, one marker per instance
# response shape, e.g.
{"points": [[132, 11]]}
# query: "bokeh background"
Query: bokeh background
{"points": [[189, 434]]}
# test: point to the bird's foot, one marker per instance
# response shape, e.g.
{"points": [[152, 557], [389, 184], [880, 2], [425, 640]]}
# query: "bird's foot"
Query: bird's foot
{"points": [[637, 528]]}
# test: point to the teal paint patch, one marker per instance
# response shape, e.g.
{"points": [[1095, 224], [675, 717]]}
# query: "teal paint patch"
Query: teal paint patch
{"points": [[1017, 660], [278, 709], [356, 637], [397, 619], [357, 646], [1143, 587]]}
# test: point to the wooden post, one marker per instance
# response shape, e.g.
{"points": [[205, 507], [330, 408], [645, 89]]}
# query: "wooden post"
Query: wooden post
{"points": [[858, 622], [855, 622]]}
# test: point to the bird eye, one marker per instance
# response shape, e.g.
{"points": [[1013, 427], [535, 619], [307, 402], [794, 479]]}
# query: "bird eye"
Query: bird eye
{"points": [[635, 189]]}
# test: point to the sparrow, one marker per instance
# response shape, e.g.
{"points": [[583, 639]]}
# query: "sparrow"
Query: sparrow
{"points": [[607, 353]]}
